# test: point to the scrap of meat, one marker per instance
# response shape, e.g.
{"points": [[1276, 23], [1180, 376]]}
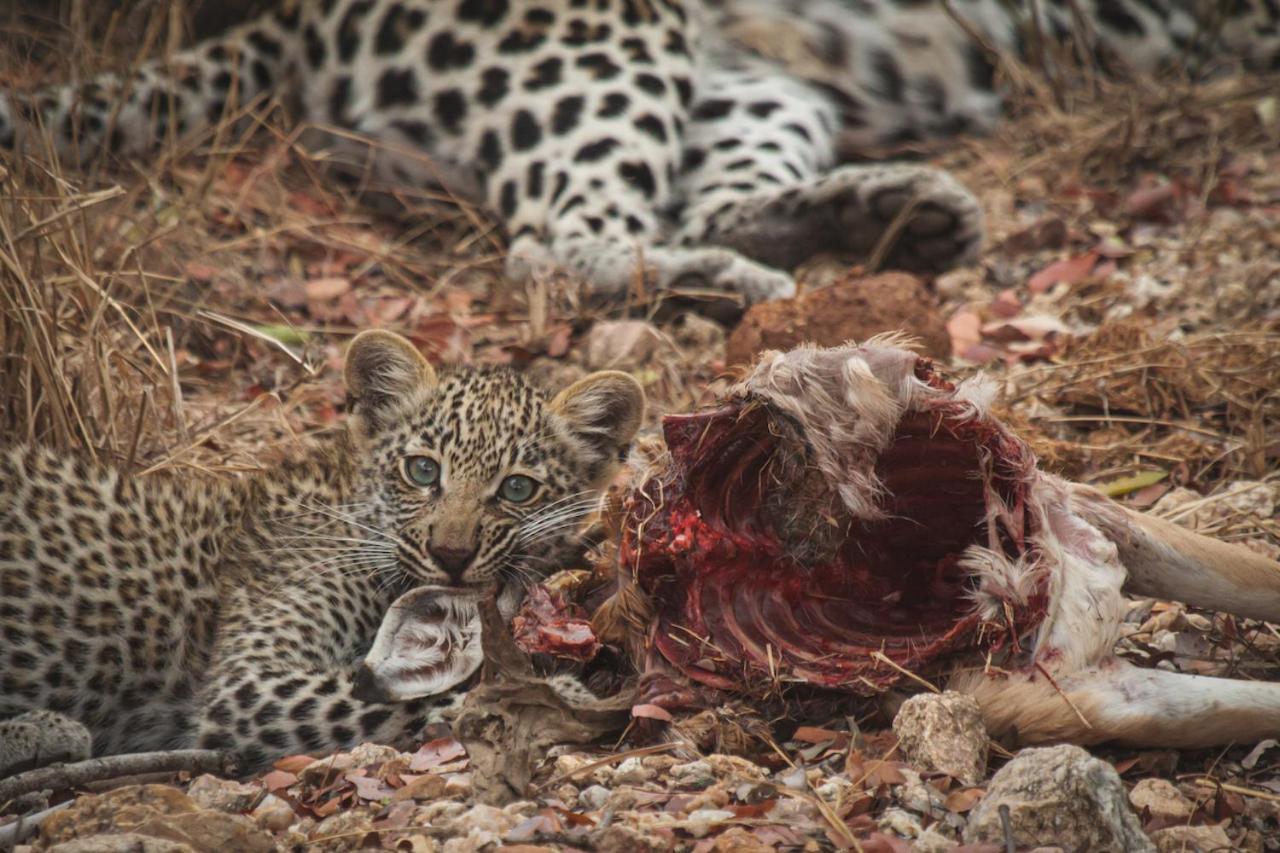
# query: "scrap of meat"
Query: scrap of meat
{"points": [[548, 624]]}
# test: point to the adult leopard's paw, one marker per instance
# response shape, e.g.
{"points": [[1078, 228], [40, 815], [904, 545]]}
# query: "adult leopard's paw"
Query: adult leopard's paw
{"points": [[927, 220]]}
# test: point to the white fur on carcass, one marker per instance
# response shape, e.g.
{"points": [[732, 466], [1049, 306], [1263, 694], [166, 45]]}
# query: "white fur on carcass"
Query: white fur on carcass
{"points": [[848, 401]]}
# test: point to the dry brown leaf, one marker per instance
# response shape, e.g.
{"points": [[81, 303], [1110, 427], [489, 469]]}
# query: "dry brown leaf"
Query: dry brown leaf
{"points": [[651, 712], [1068, 271], [326, 289], [435, 753], [963, 799], [294, 763], [278, 779], [428, 787]]}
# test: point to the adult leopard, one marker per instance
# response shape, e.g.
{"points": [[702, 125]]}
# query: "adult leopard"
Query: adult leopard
{"points": [[186, 611], [698, 140]]}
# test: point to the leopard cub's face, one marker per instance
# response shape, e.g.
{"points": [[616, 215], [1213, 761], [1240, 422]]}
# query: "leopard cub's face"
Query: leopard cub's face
{"points": [[477, 477]]}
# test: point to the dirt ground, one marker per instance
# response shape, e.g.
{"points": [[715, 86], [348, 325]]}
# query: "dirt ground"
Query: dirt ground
{"points": [[189, 313]]}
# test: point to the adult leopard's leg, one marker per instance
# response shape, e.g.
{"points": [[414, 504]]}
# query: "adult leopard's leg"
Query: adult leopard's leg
{"points": [[130, 114], [582, 183], [611, 266], [756, 180]]}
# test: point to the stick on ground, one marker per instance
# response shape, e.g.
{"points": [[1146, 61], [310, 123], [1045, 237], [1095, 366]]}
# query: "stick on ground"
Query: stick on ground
{"points": [[61, 776]]}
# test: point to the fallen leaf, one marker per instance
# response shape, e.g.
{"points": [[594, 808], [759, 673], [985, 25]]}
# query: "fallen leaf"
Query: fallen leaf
{"points": [[1048, 233], [1124, 765], [965, 329], [573, 818], [884, 773], [962, 800], [294, 763], [558, 341], [1068, 271], [389, 309], [1033, 327], [1153, 202], [813, 734], [436, 752], [979, 353], [197, 271], [427, 787], [1007, 304], [651, 712], [326, 808], [368, 787], [326, 289], [278, 779], [285, 334], [1250, 760], [1124, 485], [1146, 497], [759, 809]]}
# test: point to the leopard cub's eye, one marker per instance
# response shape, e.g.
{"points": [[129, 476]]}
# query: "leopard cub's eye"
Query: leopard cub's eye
{"points": [[421, 471], [518, 488]]}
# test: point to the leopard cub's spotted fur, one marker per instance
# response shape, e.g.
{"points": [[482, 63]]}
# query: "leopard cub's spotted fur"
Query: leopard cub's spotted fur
{"points": [[178, 611]]}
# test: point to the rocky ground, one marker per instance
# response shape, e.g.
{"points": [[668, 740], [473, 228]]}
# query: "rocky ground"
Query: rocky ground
{"points": [[190, 313]]}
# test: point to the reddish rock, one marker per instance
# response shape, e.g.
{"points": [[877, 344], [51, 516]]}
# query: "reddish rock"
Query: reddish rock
{"points": [[855, 307]]}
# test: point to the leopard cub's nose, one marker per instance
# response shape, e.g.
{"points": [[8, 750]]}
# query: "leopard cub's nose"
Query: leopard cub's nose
{"points": [[453, 561]]}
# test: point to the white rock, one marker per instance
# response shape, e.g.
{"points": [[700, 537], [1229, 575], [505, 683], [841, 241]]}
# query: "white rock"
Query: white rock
{"points": [[520, 809], [273, 814], [701, 822], [697, 332], [1192, 839], [734, 767], [944, 733], [795, 779], [692, 770], [478, 827], [933, 841], [631, 772], [457, 785], [1162, 798], [224, 795], [900, 822], [593, 797], [1058, 795], [372, 753]]}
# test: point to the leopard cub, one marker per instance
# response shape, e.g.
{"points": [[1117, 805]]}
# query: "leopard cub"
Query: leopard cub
{"points": [[163, 611]]}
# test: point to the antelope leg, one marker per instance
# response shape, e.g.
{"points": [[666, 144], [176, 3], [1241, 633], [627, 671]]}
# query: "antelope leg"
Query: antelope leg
{"points": [[1115, 701], [1170, 562]]}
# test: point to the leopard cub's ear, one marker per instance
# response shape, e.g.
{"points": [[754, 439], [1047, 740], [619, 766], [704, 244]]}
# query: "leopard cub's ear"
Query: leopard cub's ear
{"points": [[602, 413], [383, 368]]}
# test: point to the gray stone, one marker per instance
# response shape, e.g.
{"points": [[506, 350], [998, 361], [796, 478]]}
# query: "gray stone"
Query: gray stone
{"points": [[1062, 796], [224, 795], [943, 733]]}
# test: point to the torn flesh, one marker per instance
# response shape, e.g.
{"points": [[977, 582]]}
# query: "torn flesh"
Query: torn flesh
{"points": [[848, 519], [765, 570]]}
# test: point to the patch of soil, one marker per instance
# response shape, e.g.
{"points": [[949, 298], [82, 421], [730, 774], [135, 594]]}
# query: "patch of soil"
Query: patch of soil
{"points": [[853, 308]]}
